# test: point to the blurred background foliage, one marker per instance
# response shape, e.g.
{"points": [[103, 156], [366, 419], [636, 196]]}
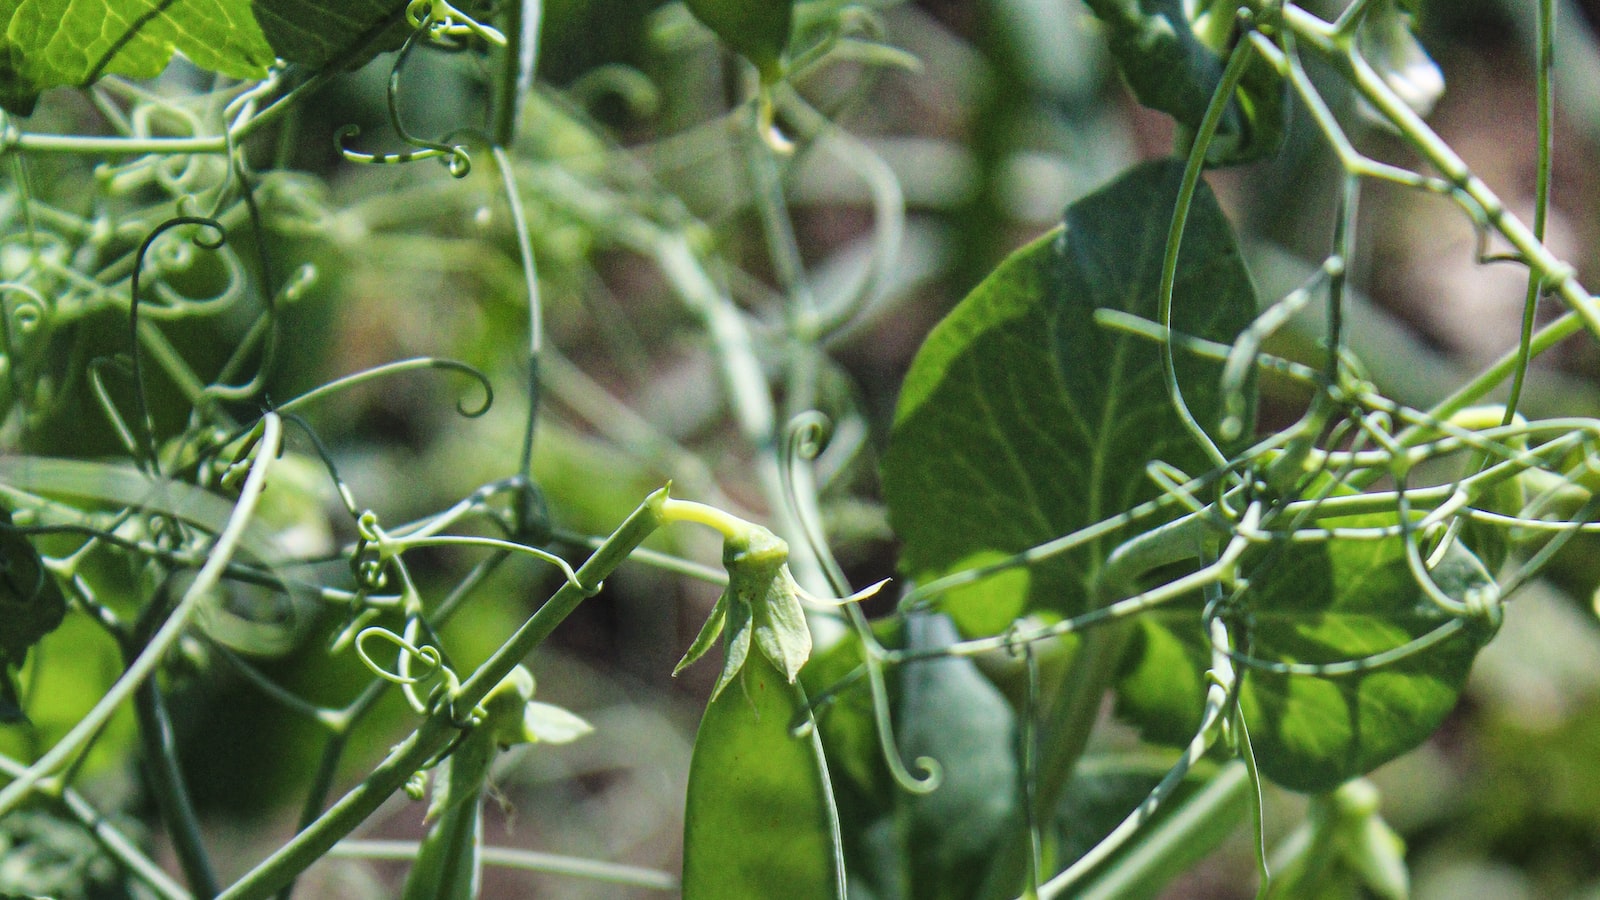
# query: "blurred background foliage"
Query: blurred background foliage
{"points": [[1011, 112]]}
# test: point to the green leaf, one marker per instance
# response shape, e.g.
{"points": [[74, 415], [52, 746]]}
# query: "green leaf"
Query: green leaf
{"points": [[758, 30], [77, 663], [1174, 69], [1023, 420], [759, 820], [319, 32], [1316, 603], [50, 43], [954, 715]]}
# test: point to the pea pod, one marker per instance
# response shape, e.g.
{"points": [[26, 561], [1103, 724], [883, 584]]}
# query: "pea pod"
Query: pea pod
{"points": [[759, 821], [758, 30]]}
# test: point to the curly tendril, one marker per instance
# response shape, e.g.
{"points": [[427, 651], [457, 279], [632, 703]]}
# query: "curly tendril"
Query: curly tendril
{"points": [[455, 156], [429, 656], [440, 20], [404, 365], [141, 396], [806, 437]]}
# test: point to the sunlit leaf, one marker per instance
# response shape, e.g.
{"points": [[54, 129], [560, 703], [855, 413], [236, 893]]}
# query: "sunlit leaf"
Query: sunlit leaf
{"points": [[77, 663], [1023, 420], [51, 43], [1316, 603]]}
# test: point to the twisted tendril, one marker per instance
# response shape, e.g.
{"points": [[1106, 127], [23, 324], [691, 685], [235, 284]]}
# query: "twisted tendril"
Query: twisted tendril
{"points": [[142, 398], [455, 156]]}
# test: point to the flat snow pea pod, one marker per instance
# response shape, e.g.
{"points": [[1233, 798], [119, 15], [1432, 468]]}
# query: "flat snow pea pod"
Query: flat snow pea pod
{"points": [[760, 820], [758, 30]]}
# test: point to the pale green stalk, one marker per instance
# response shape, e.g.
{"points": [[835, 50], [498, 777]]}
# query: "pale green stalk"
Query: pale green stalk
{"points": [[1339, 51], [524, 860]]}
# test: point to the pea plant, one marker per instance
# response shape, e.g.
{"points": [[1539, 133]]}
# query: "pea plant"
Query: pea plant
{"points": [[1087, 499]]}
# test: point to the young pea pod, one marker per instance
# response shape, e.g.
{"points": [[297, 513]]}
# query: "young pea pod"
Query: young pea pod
{"points": [[759, 817], [758, 30]]}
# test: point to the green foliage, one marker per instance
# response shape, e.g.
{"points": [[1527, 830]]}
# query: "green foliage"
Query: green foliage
{"points": [[317, 33], [1023, 420], [49, 856], [31, 606], [50, 43], [899, 843], [1174, 65], [69, 671], [448, 866], [236, 495], [756, 29], [1318, 604]]}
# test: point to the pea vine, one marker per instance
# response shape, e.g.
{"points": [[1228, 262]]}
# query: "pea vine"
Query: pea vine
{"points": [[1086, 499]]}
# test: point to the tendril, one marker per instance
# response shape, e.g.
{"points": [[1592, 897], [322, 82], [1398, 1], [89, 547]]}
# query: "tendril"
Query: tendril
{"points": [[404, 365], [806, 436], [455, 156], [932, 772], [142, 398], [266, 332], [438, 19], [427, 654]]}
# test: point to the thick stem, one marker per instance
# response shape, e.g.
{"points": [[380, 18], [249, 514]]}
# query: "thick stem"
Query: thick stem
{"points": [[1339, 52], [436, 732]]}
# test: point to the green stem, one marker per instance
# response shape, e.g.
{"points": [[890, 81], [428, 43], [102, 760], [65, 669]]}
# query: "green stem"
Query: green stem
{"points": [[1166, 848], [436, 732], [170, 792], [343, 722], [1541, 204], [524, 860], [1219, 698], [1065, 732], [1220, 99], [1339, 51], [731, 527]]}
